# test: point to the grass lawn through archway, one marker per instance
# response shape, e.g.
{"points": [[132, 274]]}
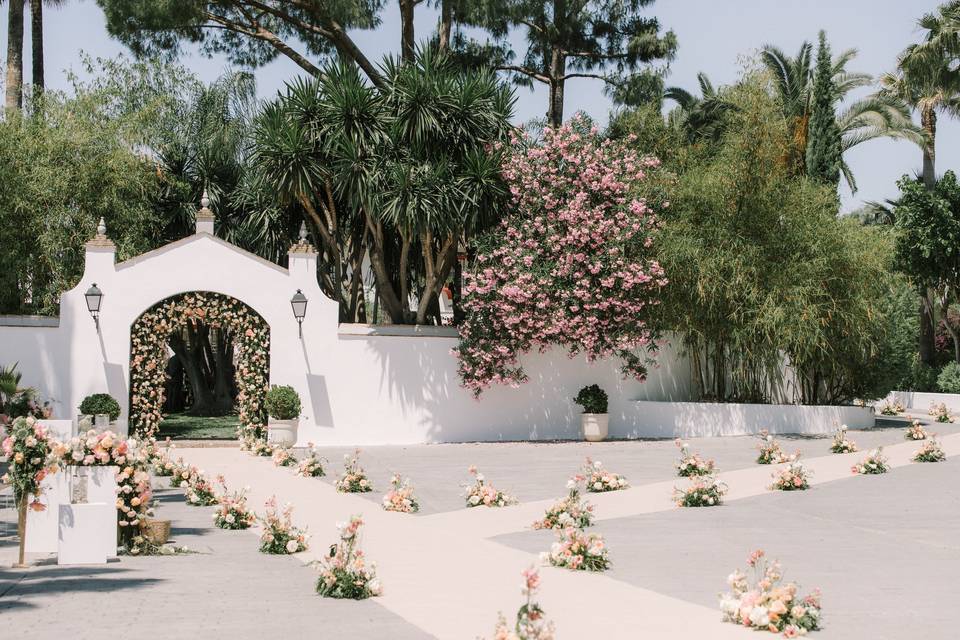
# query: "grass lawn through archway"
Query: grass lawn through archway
{"points": [[179, 426]]}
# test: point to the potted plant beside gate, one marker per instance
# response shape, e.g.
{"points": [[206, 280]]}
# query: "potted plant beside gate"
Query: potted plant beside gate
{"points": [[283, 407], [102, 406], [595, 419]]}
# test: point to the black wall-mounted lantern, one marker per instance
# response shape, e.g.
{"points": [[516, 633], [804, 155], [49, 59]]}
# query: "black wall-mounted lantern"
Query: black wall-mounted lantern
{"points": [[299, 304], [94, 298]]}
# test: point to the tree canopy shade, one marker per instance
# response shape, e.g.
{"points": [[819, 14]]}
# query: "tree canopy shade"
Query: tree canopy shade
{"points": [[402, 172], [248, 32], [605, 39], [928, 241]]}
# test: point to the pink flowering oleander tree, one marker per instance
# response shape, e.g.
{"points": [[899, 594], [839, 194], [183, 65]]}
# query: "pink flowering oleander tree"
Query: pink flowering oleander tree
{"points": [[571, 265]]}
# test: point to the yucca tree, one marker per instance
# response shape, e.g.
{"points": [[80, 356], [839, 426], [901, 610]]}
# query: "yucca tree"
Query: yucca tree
{"points": [[411, 164], [863, 120], [700, 117]]}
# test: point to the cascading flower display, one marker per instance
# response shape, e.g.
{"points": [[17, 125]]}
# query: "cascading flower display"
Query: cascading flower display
{"points": [[572, 511], [704, 491], [344, 572], [873, 464], [931, 451], [573, 265], [148, 356], [482, 494], [578, 551], [232, 512], [598, 480], [400, 497], [312, 465], [28, 450], [279, 536], [530, 623], [768, 604], [354, 478], [915, 431], [692, 464], [841, 443], [769, 449]]}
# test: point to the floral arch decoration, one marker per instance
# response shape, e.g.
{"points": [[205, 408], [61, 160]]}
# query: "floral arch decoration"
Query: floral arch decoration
{"points": [[148, 357]]}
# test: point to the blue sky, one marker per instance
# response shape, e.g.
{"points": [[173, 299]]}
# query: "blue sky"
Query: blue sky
{"points": [[714, 37]]}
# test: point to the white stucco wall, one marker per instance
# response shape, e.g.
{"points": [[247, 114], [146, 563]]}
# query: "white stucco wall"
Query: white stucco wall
{"points": [[357, 387], [361, 385]]}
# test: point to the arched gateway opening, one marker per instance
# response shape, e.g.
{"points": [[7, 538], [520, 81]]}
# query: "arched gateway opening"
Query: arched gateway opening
{"points": [[203, 353]]}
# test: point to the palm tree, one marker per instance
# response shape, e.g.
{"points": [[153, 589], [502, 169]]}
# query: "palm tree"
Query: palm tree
{"points": [[872, 117], [14, 90], [36, 39], [699, 117], [927, 79]]}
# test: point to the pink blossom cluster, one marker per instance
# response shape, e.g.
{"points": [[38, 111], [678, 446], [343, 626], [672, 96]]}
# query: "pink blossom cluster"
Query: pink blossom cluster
{"points": [[531, 623], [572, 264]]}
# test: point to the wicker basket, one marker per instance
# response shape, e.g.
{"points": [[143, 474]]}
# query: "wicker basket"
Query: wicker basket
{"points": [[156, 531]]}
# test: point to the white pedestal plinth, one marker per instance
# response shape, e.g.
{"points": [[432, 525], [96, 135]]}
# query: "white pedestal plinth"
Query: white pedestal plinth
{"points": [[87, 533], [42, 525], [102, 487]]}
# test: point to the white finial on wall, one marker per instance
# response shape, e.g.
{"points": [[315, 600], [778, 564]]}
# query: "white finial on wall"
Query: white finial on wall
{"points": [[101, 227], [303, 232], [205, 200], [205, 217]]}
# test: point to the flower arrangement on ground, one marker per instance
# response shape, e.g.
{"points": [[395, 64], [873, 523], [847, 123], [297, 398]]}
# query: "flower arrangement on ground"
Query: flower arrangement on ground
{"points": [[530, 624], [480, 493], [312, 465], [200, 492], [579, 551], [354, 478], [841, 443], [940, 412], [400, 497], [915, 431], [769, 448], [28, 451], [232, 513], [873, 464], [283, 458], [768, 604], [891, 408], [572, 511], [693, 464], [279, 535], [344, 572], [163, 466], [140, 545], [931, 451], [598, 480], [704, 491], [261, 448], [795, 477], [183, 475]]}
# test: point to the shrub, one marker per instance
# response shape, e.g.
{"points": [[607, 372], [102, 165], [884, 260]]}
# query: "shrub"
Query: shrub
{"points": [[949, 379], [593, 399], [98, 403], [283, 402], [919, 377]]}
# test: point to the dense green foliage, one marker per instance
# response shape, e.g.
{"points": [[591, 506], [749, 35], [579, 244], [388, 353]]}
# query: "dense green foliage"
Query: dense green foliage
{"points": [[283, 402], [949, 379], [100, 403], [823, 150], [593, 399]]}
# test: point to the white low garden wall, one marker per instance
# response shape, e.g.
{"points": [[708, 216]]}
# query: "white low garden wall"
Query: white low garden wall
{"points": [[920, 401], [697, 419]]}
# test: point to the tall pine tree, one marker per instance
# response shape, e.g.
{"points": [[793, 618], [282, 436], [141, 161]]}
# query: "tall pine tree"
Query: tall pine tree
{"points": [[824, 146]]}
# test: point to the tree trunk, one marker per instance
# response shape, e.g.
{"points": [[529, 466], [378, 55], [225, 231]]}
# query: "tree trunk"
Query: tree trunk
{"points": [[436, 271], [446, 22], [558, 68], [407, 43], [36, 31], [14, 94], [928, 120], [191, 355], [223, 373], [456, 293], [927, 347]]}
